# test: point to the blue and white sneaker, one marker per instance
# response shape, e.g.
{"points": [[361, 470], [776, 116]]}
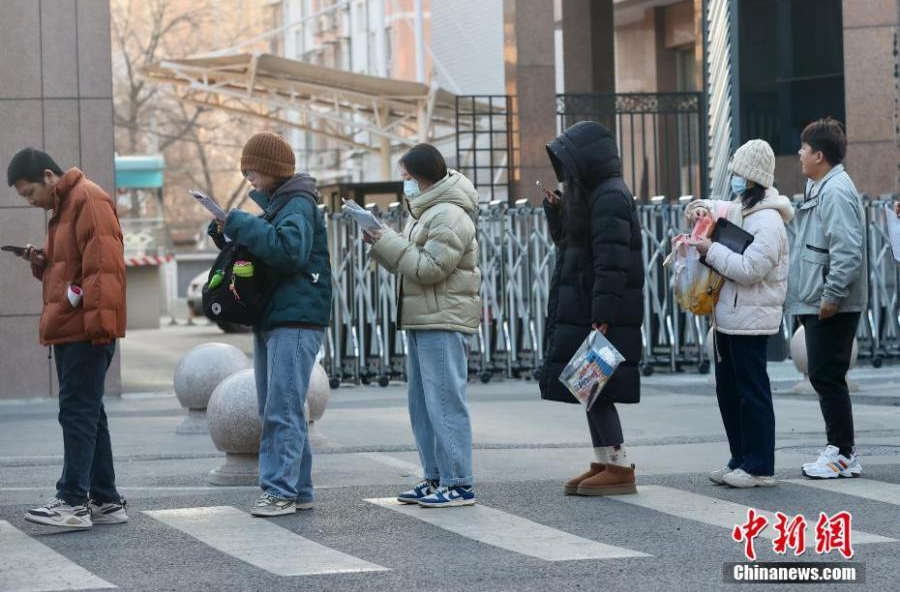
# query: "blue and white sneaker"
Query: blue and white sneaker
{"points": [[423, 489], [448, 497]]}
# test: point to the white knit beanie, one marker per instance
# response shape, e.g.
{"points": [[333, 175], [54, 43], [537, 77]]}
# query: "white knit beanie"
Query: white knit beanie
{"points": [[754, 161]]}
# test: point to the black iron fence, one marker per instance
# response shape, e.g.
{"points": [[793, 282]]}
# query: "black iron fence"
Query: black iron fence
{"points": [[485, 143], [661, 137]]}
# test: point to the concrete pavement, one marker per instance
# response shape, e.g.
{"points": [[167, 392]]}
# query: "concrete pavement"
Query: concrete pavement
{"points": [[675, 534]]}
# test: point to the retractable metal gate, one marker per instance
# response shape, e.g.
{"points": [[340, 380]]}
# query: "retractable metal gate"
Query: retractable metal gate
{"points": [[517, 257]]}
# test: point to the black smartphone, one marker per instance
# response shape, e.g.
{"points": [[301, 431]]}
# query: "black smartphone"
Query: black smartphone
{"points": [[12, 249]]}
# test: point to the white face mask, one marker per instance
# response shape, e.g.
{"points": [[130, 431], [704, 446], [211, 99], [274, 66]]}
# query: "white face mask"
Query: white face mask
{"points": [[411, 187]]}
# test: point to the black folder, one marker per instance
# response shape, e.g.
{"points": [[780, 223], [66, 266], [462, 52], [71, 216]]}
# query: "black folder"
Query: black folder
{"points": [[731, 236]]}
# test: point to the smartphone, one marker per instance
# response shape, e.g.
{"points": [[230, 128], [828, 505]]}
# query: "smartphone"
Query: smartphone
{"points": [[14, 250]]}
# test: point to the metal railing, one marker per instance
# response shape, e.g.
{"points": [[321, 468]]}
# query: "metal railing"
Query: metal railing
{"points": [[661, 137], [485, 142], [517, 259]]}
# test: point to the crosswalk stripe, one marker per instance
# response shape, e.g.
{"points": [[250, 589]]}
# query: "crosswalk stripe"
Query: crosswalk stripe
{"points": [[717, 512], [260, 543], [878, 491], [513, 533], [29, 566]]}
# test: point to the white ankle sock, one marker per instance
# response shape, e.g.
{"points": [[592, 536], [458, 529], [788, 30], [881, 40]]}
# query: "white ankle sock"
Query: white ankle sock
{"points": [[601, 455], [617, 457]]}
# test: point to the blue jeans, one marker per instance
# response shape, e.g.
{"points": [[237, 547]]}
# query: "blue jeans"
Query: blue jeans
{"points": [[437, 368], [745, 402], [283, 360], [88, 460]]}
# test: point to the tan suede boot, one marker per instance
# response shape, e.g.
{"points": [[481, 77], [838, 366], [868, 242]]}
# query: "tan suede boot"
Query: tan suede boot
{"points": [[571, 486], [615, 480]]}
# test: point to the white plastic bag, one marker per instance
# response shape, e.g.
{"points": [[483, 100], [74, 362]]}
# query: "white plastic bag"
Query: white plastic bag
{"points": [[591, 368]]}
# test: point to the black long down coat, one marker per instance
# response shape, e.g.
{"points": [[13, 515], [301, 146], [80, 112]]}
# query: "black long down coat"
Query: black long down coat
{"points": [[600, 279]]}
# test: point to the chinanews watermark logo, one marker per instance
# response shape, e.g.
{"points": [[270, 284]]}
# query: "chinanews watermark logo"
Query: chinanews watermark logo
{"points": [[831, 535]]}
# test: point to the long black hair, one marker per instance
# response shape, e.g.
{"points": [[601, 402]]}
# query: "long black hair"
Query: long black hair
{"points": [[753, 196], [576, 215]]}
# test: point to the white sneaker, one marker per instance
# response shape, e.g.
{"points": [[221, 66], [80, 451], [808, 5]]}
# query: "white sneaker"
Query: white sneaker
{"points": [[716, 476], [743, 480], [831, 464], [59, 513], [825, 455], [111, 513]]}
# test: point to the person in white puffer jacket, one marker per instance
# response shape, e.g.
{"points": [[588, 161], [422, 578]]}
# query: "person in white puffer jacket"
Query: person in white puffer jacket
{"points": [[749, 309]]}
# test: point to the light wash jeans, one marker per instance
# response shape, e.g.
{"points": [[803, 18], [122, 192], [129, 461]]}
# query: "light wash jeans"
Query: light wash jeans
{"points": [[437, 369], [283, 361]]}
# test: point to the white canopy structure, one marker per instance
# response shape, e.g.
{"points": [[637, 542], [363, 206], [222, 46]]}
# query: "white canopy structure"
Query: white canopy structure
{"points": [[360, 111]]}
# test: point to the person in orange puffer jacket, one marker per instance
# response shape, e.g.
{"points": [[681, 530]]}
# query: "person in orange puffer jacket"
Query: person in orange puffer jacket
{"points": [[82, 269]]}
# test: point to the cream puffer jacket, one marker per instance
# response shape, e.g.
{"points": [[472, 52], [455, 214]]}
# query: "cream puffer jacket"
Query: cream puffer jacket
{"points": [[436, 258], [752, 299]]}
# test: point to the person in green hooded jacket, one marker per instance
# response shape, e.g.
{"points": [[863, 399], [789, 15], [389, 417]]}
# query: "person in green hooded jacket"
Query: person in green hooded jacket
{"points": [[287, 339]]}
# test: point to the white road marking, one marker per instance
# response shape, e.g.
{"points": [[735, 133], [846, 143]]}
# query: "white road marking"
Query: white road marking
{"points": [[717, 512], [259, 542], [29, 566], [513, 533]]}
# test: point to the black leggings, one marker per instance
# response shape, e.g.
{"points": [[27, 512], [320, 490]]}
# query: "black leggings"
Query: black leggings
{"points": [[603, 421]]}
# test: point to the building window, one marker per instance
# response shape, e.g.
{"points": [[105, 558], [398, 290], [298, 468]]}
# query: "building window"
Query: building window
{"points": [[791, 68]]}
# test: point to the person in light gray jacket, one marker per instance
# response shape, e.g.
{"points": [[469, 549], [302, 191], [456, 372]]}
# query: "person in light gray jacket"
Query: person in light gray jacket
{"points": [[829, 287]]}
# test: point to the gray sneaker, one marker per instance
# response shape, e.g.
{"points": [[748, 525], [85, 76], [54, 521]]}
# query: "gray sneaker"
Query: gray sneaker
{"points": [[717, 476], [108, 513], [269, 505]]}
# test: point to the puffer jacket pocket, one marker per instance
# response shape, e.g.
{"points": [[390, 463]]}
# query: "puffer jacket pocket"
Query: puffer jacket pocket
{"points": [[813, 273], [431, 299]]}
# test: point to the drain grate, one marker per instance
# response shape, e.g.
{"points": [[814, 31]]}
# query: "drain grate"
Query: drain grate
{"points": [[865, 450]]}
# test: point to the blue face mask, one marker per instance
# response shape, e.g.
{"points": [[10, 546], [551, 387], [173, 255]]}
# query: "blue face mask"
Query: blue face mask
{"points": [[738, 185], [411, 187]]}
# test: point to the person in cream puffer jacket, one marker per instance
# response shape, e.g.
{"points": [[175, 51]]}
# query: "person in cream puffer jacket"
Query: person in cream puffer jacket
{"points": [[439, 285], [750, 308]]}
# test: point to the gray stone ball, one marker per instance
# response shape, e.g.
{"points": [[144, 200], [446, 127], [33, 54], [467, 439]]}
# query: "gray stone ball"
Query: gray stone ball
{"points": [[318, 395], [233, 414], [798, 351], [201, 370]]}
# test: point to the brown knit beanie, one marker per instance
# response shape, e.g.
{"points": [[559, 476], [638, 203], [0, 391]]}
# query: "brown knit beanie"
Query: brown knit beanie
{"points": [[268, 153]]}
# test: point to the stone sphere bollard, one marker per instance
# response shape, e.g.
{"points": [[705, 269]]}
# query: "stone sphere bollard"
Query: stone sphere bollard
{"points": [[198, 373], [318, 395], [801, 361], [233, 417]]}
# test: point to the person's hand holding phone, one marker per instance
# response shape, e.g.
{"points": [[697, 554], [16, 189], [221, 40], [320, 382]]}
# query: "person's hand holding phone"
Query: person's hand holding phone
{"points": [[552, 196], [34, 255]]}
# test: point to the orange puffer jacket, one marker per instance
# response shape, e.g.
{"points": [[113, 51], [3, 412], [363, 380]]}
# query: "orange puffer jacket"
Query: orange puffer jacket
{"points": [[84, 248]]}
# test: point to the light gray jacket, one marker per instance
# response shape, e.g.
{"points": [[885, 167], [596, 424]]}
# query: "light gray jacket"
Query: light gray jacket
{"points": [[828, 258]]}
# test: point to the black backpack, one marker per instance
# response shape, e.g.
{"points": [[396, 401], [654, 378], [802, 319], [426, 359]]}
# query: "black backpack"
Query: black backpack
{"points": [[240, 297]]}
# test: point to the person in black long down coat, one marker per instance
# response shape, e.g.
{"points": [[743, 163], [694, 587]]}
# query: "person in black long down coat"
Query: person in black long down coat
{"points": [[598, 282]]}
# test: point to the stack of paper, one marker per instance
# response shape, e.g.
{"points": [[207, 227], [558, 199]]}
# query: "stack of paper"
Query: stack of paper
{"points": [[367, 222], [208, 203]]}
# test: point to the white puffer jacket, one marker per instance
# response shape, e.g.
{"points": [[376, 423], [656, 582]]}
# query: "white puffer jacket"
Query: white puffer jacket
{"points": [[752, 300]]}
